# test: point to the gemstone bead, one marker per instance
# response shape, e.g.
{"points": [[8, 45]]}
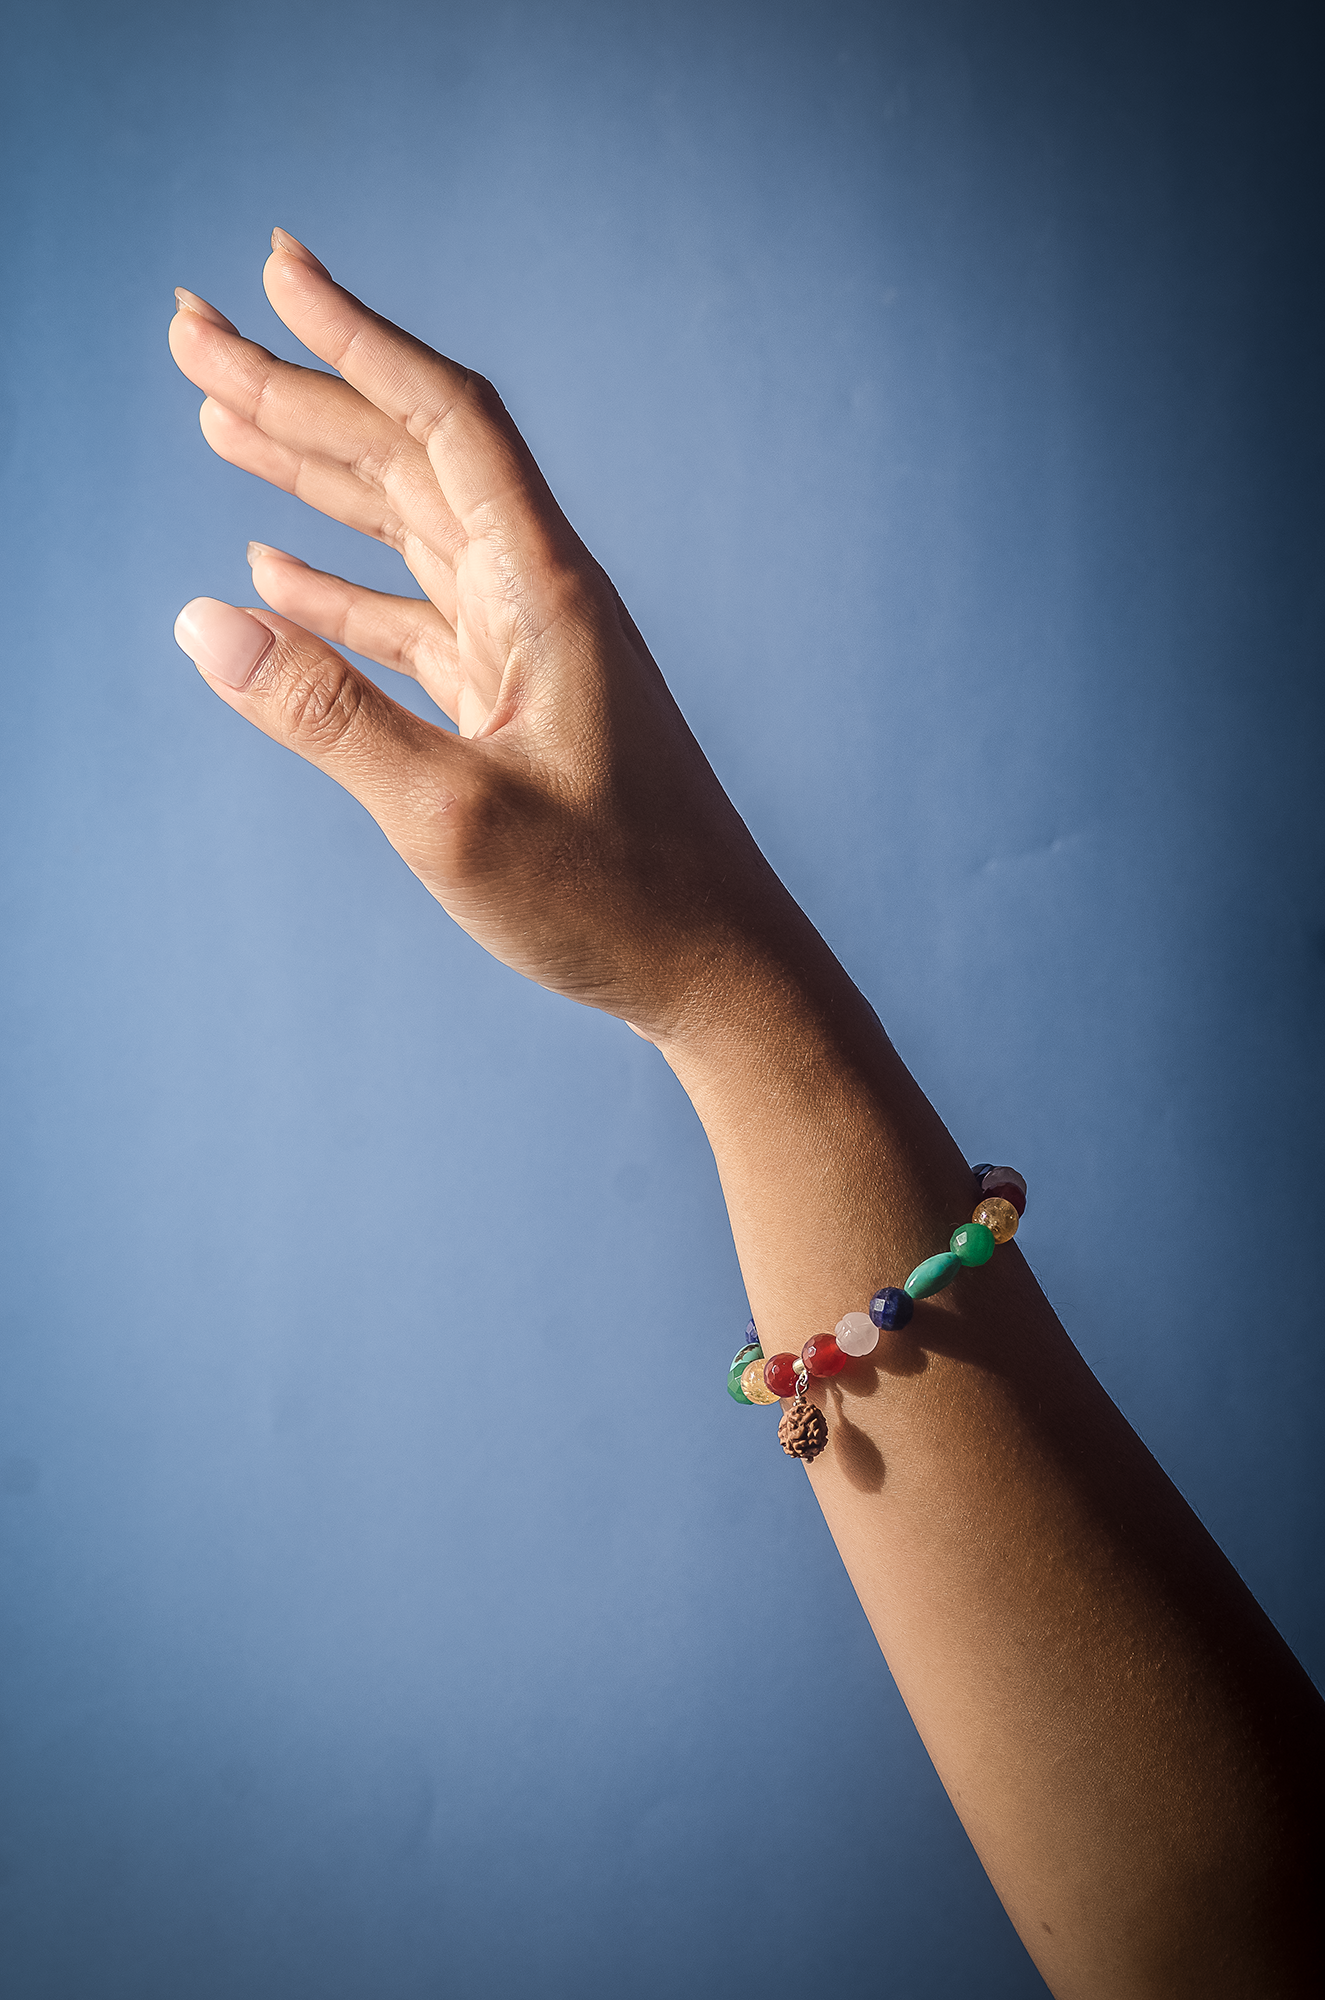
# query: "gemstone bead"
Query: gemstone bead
{"points": [[782, 1372], [985, 1167], [754, 1389], [1007, 1184], [973, 1242], [856, 1333], [741, 1360], [933, 1274], [999, 1216], [891, 1308], [822, 1355]]}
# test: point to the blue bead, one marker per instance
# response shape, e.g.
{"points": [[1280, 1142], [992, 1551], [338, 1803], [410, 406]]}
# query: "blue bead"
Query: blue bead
{"points": [[890, 1308], [985, 1167]]}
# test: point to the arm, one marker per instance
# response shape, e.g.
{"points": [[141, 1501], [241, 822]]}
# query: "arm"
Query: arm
{"points": [[1131, 1747]]}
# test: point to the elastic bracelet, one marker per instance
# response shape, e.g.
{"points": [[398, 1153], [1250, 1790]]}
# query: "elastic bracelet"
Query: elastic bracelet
{"points": [[752, 1378]]}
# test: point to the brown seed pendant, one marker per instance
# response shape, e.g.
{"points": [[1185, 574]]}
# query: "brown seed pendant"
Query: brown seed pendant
{"points": [[803, 1430]]}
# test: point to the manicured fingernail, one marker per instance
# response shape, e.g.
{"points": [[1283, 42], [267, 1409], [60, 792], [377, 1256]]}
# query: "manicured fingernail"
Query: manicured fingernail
{"points": [[281, 239], [256, 550], [189, 302], [222, 642]]}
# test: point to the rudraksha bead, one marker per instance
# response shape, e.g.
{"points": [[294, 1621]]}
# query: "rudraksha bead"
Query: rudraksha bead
{"points": [[803, 1431]]}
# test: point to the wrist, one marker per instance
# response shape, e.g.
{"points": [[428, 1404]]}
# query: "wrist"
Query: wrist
{"points": [[808, 1107], [768, 996]]}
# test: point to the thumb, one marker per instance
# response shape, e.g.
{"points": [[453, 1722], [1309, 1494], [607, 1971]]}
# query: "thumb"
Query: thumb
{"points": [[298, 690]]}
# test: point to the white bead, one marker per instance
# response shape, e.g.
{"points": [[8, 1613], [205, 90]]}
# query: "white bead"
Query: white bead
{"points": [[856, 1333]]}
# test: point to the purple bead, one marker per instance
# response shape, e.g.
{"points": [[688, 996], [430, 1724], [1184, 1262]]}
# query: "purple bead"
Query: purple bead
{"points": [[1007, 1184], [891, 1308]]}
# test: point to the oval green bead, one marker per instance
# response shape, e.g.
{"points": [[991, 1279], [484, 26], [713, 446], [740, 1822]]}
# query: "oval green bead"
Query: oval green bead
{"points": [[973, 1243], [932, 1275]]}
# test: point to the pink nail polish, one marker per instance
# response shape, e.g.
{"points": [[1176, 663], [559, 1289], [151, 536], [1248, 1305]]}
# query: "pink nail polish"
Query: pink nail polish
{"points": [[223, 643], [281, 239], [189, 302]]}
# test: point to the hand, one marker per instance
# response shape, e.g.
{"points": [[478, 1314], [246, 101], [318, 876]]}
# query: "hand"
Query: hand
{"points": [[573, 826]]}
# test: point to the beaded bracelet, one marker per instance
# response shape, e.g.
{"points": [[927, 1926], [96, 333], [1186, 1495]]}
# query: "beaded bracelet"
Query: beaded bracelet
{"points": [[804, 1429]]}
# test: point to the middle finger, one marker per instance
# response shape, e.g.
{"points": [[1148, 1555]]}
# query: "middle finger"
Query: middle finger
{"points": [[317, 414]]}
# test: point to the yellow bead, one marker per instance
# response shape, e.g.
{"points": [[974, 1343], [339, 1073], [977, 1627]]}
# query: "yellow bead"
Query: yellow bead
{"points": [[998, 1215], [753, 1386]]}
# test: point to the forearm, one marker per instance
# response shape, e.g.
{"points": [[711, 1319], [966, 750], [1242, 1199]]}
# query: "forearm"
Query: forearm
{"points": [[1117, 1723]]}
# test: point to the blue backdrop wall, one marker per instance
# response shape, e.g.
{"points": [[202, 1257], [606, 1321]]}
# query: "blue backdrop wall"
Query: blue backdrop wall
{"points": [[938, 383]]}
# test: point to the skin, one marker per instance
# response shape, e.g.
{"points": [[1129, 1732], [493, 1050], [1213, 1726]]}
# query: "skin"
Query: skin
{"points": [[1133, 1750]]}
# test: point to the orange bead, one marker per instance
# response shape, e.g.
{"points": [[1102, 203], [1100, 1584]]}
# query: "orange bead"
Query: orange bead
{"points": [[753, 1386], [999, 1216]]}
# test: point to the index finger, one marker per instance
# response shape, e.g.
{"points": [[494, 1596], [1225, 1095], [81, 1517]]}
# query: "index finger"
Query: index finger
{"points": [[484, 467]]}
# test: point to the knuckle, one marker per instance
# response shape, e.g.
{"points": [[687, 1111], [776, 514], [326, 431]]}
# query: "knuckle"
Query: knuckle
{"points": [[376, 462], [483, 395], [473, 393], [320, 704]]}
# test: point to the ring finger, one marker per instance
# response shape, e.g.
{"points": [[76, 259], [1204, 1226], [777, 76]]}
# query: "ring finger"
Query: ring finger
{"points": [[332, 490]]}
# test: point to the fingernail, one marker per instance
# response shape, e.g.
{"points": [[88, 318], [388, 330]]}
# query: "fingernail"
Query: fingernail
{"points": [[281, 239], [222, 642], [256, 550], [189, 302]]}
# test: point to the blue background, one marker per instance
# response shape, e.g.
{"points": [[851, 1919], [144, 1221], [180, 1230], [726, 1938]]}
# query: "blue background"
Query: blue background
{"points": [[394, 1603]]}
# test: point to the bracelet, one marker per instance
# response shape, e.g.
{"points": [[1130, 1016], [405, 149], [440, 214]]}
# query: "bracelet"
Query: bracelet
{"points": [[804, 1428]]}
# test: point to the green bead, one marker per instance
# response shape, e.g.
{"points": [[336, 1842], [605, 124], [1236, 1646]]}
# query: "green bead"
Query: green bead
{"points": [[973, 1243], [734, 1386], [932, 1275]]}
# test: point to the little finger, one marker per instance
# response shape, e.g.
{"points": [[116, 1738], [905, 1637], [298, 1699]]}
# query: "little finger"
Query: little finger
{"points": [[407, 634]]}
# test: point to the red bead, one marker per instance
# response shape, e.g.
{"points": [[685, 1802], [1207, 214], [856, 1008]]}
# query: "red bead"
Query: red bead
{"points": [[823, 1356], [780, 1373], [1008, 1186]]}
